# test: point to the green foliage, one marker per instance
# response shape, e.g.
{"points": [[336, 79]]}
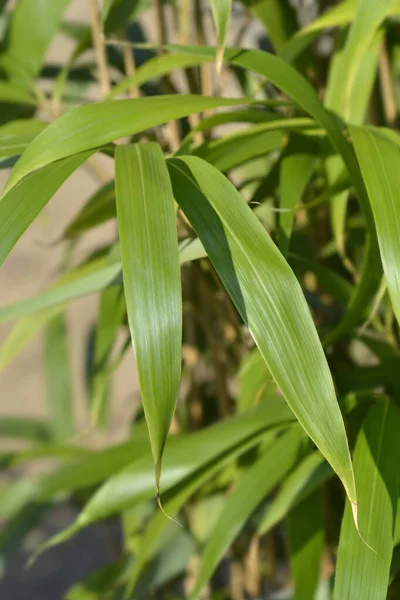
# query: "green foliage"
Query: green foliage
{"points": [[251, 213]]}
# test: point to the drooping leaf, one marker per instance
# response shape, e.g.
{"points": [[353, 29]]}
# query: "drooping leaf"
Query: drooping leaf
{"points": [[177, 497], [379, 160], [112, 310], [94, 125], [270, 301], [22, 204], [151, 273], [234, 150], [278, 18], [183, 456], [363, 572], [58, 379], [29, 429], [33, 25], [99, 208], [255, 381], [296, 169], [306, 478], [306, 542], [17, 135], [255, 484]]}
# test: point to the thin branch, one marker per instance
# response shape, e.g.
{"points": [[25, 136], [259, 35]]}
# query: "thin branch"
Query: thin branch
{"points": [[130, 69], [387, 89], [99, 45]]}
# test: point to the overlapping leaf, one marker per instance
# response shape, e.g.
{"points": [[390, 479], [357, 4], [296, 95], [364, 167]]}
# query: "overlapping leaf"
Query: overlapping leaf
{"points": [[151, 273], [270, 301]]}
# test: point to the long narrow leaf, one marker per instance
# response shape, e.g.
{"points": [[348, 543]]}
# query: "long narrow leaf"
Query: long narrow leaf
{"points": [[93, 125], [251, 489], [151, 272], [379, 160], [362, 572], [270, 301], [22, 204]]}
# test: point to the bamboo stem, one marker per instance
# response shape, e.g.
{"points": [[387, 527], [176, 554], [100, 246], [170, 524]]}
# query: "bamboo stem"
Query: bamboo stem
{"points": [[387, 89], [99, 45]]}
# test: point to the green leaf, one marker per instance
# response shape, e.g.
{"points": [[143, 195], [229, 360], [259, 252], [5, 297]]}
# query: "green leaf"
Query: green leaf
{"points": [[255, 484], [306, 542], [20, 206], [255, 381], [112, 309], [221, 10], [90, 277], [151, 273], [17, 135], [24, 331], [84, 280], [99, 209], [178, 496], [305, 479], [13, 94], [183, 456], [379, 160], [33, 26], [93, 125], [362, 572], [297, 166], [368, 17], [58, 379], [269, 300], [339, 15], [234, 150], [157, 67], [26, 429], [278, 18]]}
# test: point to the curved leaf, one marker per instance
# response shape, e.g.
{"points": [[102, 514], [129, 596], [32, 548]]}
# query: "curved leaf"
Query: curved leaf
{"points": [[93, 125], [379, 160], [362, 572], [22, 204], [255, 484], [151, 273], [269, 300]]}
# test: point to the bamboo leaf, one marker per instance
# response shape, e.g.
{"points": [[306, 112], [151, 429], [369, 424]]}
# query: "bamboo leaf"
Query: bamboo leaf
{"points": [[183, 456], [33, 25], [296, 169], [112, 309], [306, 542], [255, 484], [306, 478], [379, 160], [29, 429], [221, 10], [99, 209], [20, 206], [93, 125], [151, 273], [58, 379], [269, 300], [234, 150], [15, 136], [177, 497], [278, 18], [362, 572]]}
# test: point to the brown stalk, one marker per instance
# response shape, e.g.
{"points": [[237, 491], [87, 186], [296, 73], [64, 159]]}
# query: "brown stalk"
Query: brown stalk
{"points": [[387, 89], [173, 130], [99, 45]]}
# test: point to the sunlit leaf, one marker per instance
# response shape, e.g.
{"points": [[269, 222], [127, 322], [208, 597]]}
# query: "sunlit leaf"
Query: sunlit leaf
{"points": [[151, 273]]}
